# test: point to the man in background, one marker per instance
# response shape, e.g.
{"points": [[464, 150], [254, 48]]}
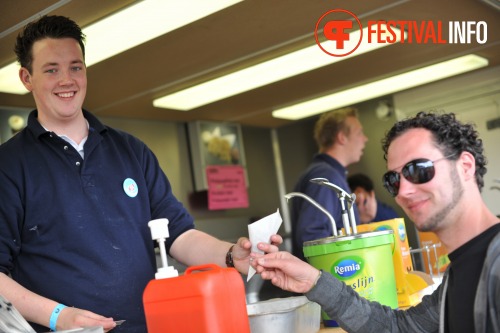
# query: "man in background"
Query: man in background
{"points": [[370, 209], [341, 140]]}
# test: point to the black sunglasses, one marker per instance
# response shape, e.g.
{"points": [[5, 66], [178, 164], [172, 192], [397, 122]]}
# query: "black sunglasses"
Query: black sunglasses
{"points": [[418, 171]]}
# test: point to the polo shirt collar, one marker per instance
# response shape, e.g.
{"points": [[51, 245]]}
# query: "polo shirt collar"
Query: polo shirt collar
{"points": [[332, 161], [37, 129]]}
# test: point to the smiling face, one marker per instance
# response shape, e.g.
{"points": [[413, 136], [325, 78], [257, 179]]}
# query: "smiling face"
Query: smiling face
{"points": [[58, 79], [432, 205]]}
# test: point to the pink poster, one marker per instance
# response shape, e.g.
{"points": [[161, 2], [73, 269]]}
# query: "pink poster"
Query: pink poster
{"points": [[226, 187]]}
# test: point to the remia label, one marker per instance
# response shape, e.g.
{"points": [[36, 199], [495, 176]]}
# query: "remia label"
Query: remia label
{"points": [[348, 267]]}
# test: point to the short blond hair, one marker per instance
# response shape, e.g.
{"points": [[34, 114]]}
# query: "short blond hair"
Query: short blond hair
{"points": [[330, 124]]}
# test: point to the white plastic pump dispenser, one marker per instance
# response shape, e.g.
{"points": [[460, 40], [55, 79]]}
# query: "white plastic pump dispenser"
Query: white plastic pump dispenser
{"points": [[159, 232]]}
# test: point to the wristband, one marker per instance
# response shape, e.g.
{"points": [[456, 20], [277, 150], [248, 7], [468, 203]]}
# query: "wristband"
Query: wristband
{"points": [[55, 315], [229, 257]]}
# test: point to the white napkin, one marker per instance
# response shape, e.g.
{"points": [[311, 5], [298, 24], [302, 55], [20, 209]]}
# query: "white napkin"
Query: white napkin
{"points": [[261, 231]]}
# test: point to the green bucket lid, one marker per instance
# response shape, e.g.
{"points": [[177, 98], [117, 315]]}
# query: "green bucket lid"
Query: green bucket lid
{"points": [[336, 244]]}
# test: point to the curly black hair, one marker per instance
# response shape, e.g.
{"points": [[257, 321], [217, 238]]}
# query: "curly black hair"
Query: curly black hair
{"points": [[450, 135], [46, 27]]}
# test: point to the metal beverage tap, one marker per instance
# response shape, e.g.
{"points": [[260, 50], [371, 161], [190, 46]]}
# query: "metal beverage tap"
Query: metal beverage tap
{"points": [[317, 205], [343, 195]]}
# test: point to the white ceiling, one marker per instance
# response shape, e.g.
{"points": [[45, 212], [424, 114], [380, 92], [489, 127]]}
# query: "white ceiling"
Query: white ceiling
{"points": [[244, 34]]}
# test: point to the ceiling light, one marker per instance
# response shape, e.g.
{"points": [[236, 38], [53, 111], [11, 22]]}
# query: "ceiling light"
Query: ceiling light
{"points": [[126, 29], [382, 87], [267, 72], [10, 81]]}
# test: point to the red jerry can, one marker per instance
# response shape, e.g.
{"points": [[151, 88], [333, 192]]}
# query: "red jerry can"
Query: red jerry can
{"points": [[206, 299]]}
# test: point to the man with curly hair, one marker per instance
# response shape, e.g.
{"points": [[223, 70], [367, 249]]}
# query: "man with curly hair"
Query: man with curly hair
{"points": [[436, 167]]}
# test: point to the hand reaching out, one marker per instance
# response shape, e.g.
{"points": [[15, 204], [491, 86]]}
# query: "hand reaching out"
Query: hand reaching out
{"points": [[242, 249], [286, 271]]}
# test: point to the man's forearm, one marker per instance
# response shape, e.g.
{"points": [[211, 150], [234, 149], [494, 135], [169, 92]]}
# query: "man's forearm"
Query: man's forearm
{"points": [[195, 248], [32, 307]]}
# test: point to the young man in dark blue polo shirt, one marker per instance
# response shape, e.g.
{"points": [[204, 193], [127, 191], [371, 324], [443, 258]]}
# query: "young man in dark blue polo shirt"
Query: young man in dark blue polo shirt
{"points": [[76, 199], [341, 140]]}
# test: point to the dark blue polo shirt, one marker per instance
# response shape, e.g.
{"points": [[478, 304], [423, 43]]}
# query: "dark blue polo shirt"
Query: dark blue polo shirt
{"points": [[308, 222], [75, 230], [384, 212]]}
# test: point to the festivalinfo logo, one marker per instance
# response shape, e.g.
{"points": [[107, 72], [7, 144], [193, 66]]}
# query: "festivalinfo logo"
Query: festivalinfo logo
{"points": [[345, 34]]}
